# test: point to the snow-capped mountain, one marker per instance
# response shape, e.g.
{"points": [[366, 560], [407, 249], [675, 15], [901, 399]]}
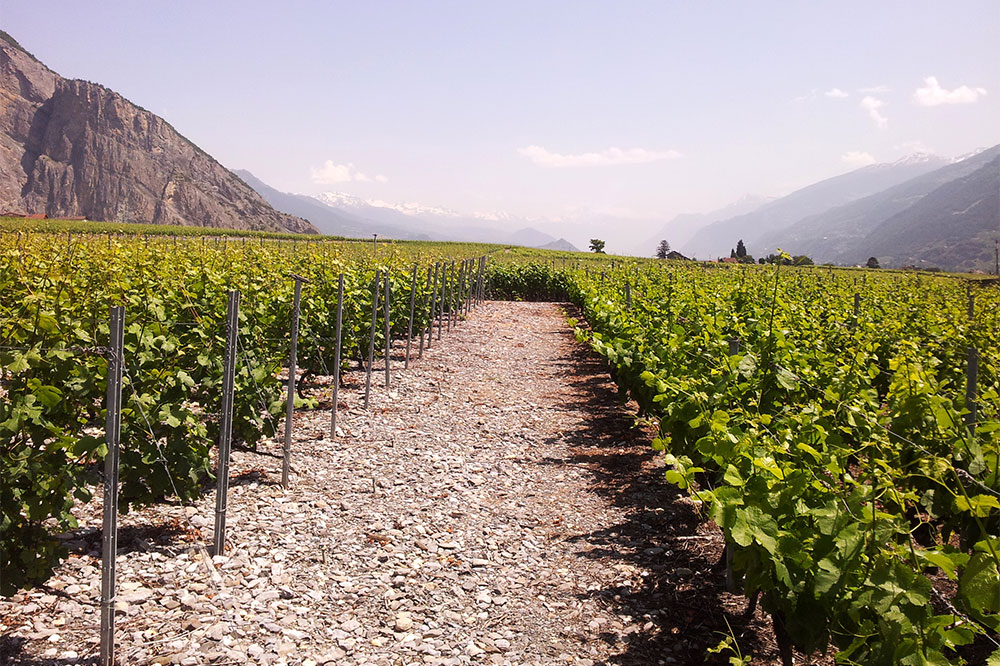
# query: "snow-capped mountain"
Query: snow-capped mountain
{"points": [[345, 201], [350, 202], [920, 157], [971, 153], [338, 213]]}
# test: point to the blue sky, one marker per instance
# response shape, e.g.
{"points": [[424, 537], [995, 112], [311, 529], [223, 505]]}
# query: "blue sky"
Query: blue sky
{"points": [[642, 109]]}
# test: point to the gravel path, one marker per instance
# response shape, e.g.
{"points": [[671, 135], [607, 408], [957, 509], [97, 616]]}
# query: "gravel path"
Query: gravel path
{"points": [[497, 506]]}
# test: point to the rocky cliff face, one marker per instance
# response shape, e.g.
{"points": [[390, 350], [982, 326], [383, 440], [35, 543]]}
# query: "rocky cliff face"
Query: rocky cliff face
{"points": [[71, 148]]}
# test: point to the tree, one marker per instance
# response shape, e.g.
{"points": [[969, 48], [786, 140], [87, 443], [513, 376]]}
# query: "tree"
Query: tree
{"points": [[597, 245], [802, 260], [741, 249], [762, 260], [732, 254], [872, 262], [662, 250]]}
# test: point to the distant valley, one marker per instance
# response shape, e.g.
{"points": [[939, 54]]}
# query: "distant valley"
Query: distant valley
{"points": [[71, 148], [340, 214]]}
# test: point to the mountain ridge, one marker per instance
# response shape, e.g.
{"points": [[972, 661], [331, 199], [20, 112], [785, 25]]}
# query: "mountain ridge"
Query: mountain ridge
{"points": [[402, 221], [949, 228], [73, 148], [838, 234], [717, 238], [328, 220]]}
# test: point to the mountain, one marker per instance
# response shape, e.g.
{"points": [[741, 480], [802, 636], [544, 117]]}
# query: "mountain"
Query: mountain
{"points": [[679, 230], [562, 245], [837, 235], [718, 238], [71, 148], [530, 237], [408, 219], [439, 223], [953, 227], [327, 219]]}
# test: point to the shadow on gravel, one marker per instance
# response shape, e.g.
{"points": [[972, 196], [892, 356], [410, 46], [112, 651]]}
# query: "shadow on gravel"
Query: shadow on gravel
{"points": [[161, 537], [252, 477], [678, 605], [10, 654]]}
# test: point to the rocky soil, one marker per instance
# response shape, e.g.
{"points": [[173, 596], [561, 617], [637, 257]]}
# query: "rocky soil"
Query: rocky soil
{"points": [[496, 506]]}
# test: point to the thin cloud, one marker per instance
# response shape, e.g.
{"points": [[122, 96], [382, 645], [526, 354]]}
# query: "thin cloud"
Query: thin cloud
{"points": [[610, 156], [331, 173], [913, 146], [872, 106], [857, 158], [875, 90], [836, 93], [932, 94]]}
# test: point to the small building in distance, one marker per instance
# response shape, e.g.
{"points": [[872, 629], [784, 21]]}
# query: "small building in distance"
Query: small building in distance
{"points": [[674, 254]]}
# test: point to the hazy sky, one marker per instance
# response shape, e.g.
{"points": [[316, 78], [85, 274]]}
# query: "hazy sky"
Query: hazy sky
{"points": [[542, 108]]}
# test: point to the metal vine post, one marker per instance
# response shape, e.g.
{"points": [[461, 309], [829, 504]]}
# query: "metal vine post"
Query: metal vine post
{"points": [[109, 530], [286, 459], [226, 421]]}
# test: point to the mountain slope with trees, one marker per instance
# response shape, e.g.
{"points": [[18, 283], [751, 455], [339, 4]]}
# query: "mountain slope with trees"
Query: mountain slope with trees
{"points": [[953, 228], [716, 239], [840, 234]]}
